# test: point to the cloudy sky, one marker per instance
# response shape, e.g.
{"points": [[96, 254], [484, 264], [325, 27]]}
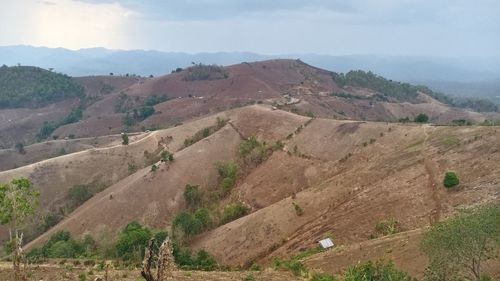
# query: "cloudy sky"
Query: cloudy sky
{"points": [[336, 27]]}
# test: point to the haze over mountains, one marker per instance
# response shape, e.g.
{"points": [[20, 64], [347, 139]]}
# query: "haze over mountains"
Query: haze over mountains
{"points": [[462, 76]]}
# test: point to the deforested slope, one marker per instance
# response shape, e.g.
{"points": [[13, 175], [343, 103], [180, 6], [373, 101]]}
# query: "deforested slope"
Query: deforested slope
{"points": [[365, 173]]}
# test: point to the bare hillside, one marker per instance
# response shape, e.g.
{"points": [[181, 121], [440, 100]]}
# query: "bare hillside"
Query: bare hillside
{"points": [[114, 104], [346, 176]]}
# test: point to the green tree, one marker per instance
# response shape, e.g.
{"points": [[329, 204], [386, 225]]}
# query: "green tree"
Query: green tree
{"points": [[421, 118], [20, 148], [227, 175], [450, 179], [132, 241], [233, 211], [18, 201], [125, 138], [188, 223], [203, 216], [204, 261], [192, 195], [79, 194], [458, 247], [166, 156]]}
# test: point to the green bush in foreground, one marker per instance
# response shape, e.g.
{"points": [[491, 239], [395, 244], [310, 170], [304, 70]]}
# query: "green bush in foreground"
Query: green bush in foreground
{"points": [[322, 277], [378, 271], [459, 246], [450, 179]]}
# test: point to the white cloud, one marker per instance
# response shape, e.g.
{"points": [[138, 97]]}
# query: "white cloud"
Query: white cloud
{"points": [[64, 23], [399, 27]]}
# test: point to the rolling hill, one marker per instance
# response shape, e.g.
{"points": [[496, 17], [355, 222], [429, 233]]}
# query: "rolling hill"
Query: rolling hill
{"points": [[283, 154], [345, 175], [113, 104]]}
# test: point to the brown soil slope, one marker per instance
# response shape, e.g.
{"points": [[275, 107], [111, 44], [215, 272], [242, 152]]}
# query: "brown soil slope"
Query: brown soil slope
{"points": [[264, 81], [402, 248], [100, 167], [345, 175], [246, 83], [153, 198], [362, 173], [11, 158]]}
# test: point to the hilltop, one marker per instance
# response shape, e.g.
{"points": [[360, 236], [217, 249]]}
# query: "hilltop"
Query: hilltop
{"points": [[26, 86], [253, 163], [112, 104]]}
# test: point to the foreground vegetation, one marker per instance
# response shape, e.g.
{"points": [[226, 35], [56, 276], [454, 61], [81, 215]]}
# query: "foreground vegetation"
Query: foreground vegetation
{"points": [[458, 247]]}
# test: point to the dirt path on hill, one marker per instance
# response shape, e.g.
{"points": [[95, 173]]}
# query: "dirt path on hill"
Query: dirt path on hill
{"points": [[430, 169]]}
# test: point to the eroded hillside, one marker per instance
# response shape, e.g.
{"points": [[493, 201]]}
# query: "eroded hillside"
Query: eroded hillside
{"points": [[112, 104], [344, 176]]}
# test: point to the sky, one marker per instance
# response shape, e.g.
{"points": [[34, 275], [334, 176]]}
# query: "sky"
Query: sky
{"points": [[333, 27]]}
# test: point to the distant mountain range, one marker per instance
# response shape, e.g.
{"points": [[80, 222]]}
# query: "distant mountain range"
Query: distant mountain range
{"points": [[456, 76]]}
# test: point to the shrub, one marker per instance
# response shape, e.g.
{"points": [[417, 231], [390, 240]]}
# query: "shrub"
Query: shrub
{"points": [[387, 227], [255, 267], [294, 265], [192, 195], [203, 216], [322, 277], [49, 220], [233, 211], [132, 167], [20, 148], [379, 271], [450, 179], [166, 155], [205, 132], [298, 209], [421, 118], [248, 277], [188, 223], [204, 261], [227, 174], [248, 145], [132, 240], [154, 100], [192, 223], [200, 261], [79, 193], [74, 116], [154, 168], [46, 130], [142, 112], [226, 170], [125, 138], [61, 245]]}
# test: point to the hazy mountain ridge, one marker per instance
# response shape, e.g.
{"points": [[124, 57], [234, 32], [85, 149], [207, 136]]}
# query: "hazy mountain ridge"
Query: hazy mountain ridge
{"points": [[99, 61]]}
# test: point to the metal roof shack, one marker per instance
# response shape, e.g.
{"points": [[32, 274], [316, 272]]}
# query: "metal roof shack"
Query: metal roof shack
{"points": [[326, 243]]}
